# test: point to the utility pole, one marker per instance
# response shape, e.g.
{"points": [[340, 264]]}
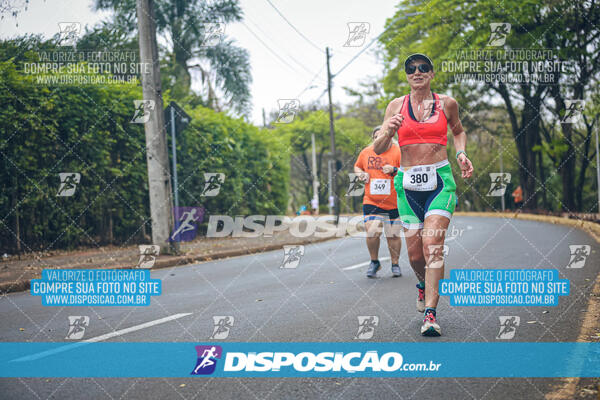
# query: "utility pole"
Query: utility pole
{"points": [[314, 168], [336, 203], [174, 155], [502, 174], [264, 118], [329, 179], [597, 166], [159, 179]]}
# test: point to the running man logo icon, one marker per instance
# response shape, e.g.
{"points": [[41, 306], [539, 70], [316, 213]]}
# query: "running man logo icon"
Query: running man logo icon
{"points": [[68, 183], [77, 325], [499, 183], [508, 327], [579, 254], [356, 186], [223, 323], [357, 33], [212, 183], [366, 326], [142, 111], [148, 254], [68, 33], [500, 31], [186, 223], [432, 108], [437, 253], [292, 254], [213, 33], [573, 111], [207, 359], [287, 110]]}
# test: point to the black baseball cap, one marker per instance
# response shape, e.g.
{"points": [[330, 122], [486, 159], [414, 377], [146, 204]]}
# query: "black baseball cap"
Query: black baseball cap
{"points": [[418, 56]]}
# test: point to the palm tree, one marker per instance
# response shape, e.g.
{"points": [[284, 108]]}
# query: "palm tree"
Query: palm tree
{"points": [[188, 28]]}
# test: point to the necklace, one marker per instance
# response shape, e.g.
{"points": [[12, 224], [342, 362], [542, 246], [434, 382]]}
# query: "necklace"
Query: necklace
{"points": [[420, 107]]}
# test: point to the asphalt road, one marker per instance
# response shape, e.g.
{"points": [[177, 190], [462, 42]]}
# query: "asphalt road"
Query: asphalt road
{"points": [[320, 300]]}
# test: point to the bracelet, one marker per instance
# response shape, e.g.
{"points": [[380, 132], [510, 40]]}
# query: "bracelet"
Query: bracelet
{"points": [[458, 153]]}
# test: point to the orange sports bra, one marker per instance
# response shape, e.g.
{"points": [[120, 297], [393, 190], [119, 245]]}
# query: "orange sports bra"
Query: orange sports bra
{"points": [[433, 130]]}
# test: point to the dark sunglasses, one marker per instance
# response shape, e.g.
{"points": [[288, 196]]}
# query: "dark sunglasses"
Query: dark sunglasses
{"points": [[411, 69]]}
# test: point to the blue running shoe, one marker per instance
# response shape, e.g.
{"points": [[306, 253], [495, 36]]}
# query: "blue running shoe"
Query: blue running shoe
{"points": [[373, 268]]}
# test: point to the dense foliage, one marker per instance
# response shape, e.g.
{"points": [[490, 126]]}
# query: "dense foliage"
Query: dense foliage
{"points": [[46, 130]]}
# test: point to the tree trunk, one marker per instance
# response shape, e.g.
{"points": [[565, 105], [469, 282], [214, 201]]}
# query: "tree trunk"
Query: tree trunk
{"points": [[585, 162], [543, 179], [110, 227], [525, 139], [540, 161], [566, 170], [181, 57], [17, 226]]}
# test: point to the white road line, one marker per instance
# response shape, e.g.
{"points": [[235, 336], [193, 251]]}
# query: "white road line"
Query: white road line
{"points": [[363, 264], [102, 337]]}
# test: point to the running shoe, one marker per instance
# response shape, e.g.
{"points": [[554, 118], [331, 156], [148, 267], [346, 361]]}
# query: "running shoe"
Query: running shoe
{"points": [[396, 271], [430, 326], [373, 268], [421, 300]]}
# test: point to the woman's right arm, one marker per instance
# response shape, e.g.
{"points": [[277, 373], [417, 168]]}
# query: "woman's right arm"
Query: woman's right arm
{"points": [[392, 121]]}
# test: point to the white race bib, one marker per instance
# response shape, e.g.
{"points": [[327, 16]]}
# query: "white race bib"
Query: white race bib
{"points": [[422, 178], [380, 186]]}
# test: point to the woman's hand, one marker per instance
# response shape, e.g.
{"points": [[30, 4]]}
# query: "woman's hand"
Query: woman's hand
{"points": [[466, 167], [393, 124]]}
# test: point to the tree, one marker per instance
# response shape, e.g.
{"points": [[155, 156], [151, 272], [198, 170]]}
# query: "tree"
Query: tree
{"points": [[575, 32], [185, 25], [46, 130], [366, 105], [12, 8], [449, 27], [351, 136]]}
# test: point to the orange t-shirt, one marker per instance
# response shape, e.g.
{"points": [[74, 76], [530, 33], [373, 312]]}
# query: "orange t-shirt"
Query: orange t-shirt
{"points": [[381, 184]]}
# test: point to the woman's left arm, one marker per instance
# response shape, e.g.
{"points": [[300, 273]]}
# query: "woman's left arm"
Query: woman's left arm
{"points": [[459, 135]]}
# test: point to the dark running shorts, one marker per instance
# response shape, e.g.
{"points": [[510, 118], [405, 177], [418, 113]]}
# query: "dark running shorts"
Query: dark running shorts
{"points": [[370, 211]]}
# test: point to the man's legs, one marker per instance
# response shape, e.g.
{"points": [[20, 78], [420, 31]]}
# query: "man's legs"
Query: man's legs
{"points": [[393, 230], [394, 240], [373, 228]]}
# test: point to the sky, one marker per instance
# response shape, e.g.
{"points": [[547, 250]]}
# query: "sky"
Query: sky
{"points": [[284, 63]]}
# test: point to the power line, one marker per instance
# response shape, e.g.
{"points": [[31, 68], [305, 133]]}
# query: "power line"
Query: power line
{"points": [[311, 81], [405, 16], [322, 94], [268, 48], [288, 54], [356, 55], [294, 28]]}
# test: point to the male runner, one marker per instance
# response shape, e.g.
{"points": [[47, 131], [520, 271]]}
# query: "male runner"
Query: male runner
{"points": [[424, 183], [379, 202]]}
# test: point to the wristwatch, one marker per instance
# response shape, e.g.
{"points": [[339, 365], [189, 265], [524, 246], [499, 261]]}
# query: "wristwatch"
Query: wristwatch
{"points": [[458, 153]]}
